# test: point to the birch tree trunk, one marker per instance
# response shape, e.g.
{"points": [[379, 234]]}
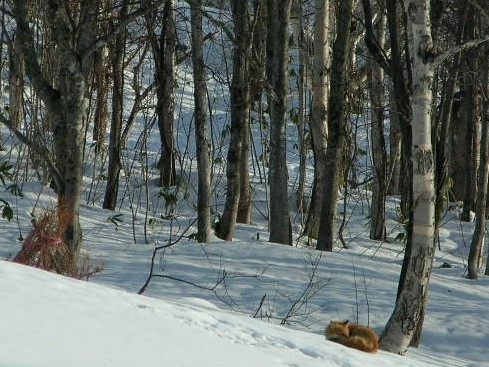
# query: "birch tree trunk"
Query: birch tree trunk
{"points": [[475, 255], [201, 121], [277, 61], [337, 128], [319, 116], [409, 309], [65, 103]]}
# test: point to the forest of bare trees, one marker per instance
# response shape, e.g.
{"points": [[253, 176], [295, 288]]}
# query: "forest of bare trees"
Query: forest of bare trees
{"points": [[89, 88]]}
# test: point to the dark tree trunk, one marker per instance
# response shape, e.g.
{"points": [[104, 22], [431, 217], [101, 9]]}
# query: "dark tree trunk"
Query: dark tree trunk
{"points": [[337, 128], [115, 146], [201, 121], [240, 105], [277, 60], [165, 85]]}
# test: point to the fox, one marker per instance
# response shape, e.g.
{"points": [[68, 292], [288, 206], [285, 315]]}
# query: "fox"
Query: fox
{"points": [[354, 336]]}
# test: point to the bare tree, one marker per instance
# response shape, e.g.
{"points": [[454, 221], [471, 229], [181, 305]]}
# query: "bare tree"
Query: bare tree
{"points": [[319, 117], [117, 51], [379, 154], [337, 127], [201, 122], [277, 61], [409, 310], [163, 47], [475, 255], [64, 102], [240, 109]]}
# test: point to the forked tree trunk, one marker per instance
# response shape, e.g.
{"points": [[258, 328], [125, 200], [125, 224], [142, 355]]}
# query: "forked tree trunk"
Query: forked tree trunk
{"points": [[409, 309], [240, 105], [65, 104]]}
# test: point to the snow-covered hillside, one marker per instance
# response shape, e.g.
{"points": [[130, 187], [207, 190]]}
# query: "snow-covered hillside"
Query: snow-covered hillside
{"points": [[250, 302]]}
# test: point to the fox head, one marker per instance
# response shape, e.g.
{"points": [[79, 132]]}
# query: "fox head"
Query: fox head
{"points": [[337, 329]]}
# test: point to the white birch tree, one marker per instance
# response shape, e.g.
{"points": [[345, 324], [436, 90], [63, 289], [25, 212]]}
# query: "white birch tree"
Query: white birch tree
{"points": [[319, 116], [409, 309]]}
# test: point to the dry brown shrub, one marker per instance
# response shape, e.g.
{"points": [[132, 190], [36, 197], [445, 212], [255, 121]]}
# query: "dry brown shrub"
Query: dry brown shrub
{"points": [[44, 248]]}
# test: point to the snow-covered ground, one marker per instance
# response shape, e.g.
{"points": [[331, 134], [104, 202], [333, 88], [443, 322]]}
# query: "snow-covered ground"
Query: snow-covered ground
{"points": [[249, 302], [241, 303]]}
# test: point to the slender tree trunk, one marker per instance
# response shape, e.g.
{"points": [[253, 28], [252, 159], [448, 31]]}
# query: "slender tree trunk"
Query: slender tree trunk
{"points": [[319, 118], [201, 121], [379, 154], [470, 106], [245, 192], [337, 128], [411, 301], [277, 62], [303, 144], [101, 83], [165, 85], [115, 164], [240, 104], [394, 171], [475, 255], [16, 82]]}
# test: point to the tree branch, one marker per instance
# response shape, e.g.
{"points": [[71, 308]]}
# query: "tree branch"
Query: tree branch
{"points": [[371, 41], [48, 94], [40, 150], [122, 24], [482, 6], [459, 48], [217, 23]]}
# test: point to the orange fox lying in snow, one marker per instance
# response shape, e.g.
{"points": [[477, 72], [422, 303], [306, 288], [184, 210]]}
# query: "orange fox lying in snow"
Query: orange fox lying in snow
{"points": [[353, 336]]}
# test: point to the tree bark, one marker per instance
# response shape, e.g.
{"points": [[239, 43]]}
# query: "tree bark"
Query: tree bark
{"points": [[319, 115], [240, 105], [379, 153], [201, 121], [16, 82], [164, 52], [117, 52], [409, 309], [475, 254], [277, 62], [337, 128]]}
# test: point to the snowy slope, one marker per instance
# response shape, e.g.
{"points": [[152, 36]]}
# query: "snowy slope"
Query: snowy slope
{"points": [[48, 320]]}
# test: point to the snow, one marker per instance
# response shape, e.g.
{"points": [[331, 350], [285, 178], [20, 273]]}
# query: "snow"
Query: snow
{"points": [[241, 303], [50, 320]]}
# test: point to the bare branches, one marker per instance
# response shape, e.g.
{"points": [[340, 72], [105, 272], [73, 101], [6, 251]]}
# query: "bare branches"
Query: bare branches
{"points": [[459, 48], [482, 6], [42, 151], [219, 24]]}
